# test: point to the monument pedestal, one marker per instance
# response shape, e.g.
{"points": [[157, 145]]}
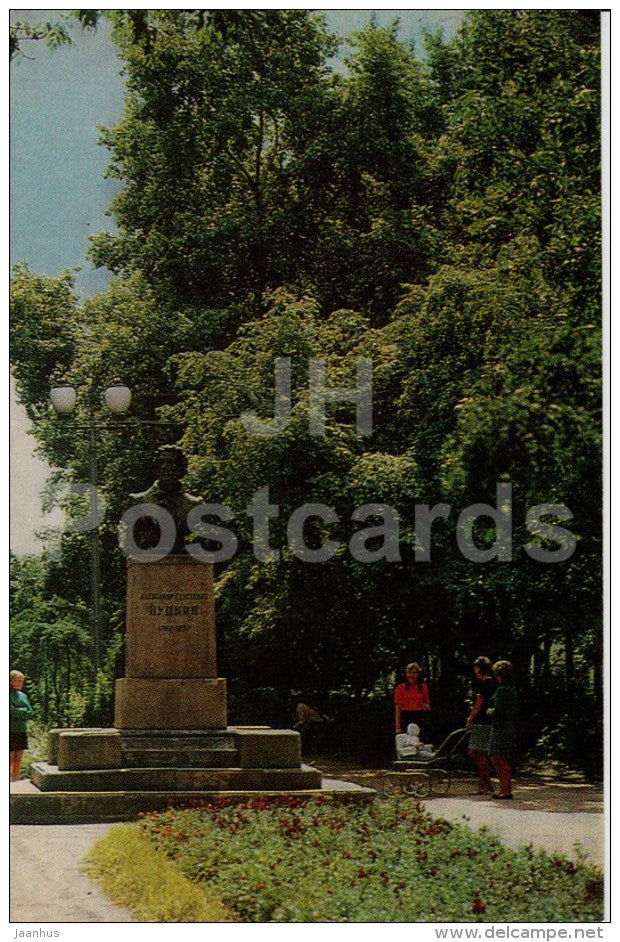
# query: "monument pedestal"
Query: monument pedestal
{"points": [[170, 731], [170, 703], [236, 758], [170, 662]]}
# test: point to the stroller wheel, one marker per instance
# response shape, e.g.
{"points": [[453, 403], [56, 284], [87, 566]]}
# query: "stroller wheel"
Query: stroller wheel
{"points": [[388, 787], [440, 782], [419, 786]]}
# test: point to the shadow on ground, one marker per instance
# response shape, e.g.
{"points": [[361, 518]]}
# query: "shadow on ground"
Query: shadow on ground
{"points": [[532, 793]]}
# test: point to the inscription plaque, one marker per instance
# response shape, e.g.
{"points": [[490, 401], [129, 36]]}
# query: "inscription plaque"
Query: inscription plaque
{"points": [[170, 619]]}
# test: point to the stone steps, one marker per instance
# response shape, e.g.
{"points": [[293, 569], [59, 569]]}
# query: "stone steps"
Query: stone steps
{"points": [[183, 740], [49, 778], [179, 750], [36, 807]]}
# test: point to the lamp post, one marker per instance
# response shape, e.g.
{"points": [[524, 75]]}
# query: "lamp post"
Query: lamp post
{"points": [[117, 398]]}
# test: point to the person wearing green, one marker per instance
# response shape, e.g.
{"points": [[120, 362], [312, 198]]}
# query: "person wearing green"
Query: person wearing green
{"points": [[503, 714], [20, 712]]}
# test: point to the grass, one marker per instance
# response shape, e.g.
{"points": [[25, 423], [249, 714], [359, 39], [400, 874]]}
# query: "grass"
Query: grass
{"points": [[325, 859], [134, 872]]}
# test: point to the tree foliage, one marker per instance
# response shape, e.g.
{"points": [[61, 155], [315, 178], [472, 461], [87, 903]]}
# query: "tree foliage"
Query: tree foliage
{"points": [[438, 216], [22, 33]]}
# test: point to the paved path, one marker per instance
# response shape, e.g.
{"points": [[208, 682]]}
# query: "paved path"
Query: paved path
{"points": [[515, 825], [47, 884], [552, 816]]}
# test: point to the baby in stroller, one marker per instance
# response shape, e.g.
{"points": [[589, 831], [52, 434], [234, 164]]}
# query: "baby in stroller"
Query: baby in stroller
{"points": [[408, 745]]}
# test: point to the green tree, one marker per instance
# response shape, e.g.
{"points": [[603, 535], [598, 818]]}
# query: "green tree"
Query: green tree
{"points": [[440, 218], [228, 116], [50, 642]]}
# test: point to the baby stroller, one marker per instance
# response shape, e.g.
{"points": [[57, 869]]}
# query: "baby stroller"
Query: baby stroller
{"points": [[420, 770]]}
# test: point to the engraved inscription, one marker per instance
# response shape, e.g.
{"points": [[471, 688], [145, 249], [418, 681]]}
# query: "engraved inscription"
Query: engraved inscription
{"points": [[168, 610], [173, 605], [174, 596]]}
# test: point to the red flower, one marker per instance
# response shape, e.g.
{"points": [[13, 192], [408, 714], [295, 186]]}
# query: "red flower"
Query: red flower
{"points": [[478, 906]]}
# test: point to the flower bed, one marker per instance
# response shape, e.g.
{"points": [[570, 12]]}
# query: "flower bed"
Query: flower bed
{"points": [[295, 859]]}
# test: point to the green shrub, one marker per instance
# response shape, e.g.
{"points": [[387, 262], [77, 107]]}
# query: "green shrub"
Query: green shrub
{"points": [[575, 739], [134, 872], [37, 746]]}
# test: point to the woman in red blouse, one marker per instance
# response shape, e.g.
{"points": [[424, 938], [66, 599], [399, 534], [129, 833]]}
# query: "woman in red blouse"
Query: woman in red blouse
{"points": [[412, 702]]}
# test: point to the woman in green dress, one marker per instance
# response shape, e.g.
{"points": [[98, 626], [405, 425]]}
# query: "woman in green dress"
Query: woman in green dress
{"points": [[503, 713]]}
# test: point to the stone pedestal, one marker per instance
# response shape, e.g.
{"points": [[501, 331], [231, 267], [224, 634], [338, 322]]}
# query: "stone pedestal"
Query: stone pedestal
{"points": [[170, 735], [161, 703], [170, 663]]}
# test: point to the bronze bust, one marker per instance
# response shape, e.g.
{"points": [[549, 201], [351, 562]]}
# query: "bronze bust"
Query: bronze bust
{"points": [[166, 492]]}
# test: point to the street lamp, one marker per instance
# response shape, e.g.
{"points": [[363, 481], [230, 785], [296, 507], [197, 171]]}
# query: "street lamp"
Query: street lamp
{"points": [[117, 398], [63, 399]]}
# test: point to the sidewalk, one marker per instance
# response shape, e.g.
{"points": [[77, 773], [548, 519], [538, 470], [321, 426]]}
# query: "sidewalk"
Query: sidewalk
{"points": [[516, 825], [552, 816], [47, 884]]}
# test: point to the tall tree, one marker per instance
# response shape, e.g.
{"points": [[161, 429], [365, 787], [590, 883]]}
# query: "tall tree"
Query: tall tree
{"points": [[227, 118]]}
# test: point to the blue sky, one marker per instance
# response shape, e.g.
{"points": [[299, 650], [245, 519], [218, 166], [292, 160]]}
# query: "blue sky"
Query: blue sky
{"points": [[58, 194]]}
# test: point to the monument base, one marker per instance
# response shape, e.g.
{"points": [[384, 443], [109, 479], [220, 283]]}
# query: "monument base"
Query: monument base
{"points": [[28, 805], [234, 759], [170, 703], [245, 747], [170, 743], [49, 778]]}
